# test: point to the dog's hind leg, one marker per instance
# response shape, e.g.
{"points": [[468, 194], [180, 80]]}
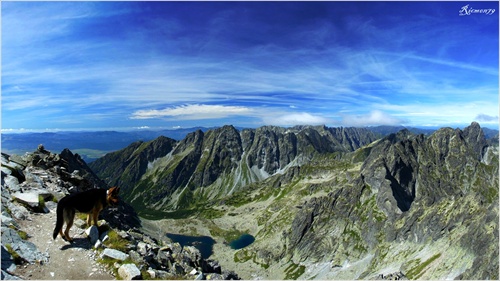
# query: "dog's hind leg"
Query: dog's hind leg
{"points": [[69, 216]]}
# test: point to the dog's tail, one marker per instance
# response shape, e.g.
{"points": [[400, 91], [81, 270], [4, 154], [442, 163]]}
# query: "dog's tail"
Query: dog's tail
{"points": [[59, 221]]}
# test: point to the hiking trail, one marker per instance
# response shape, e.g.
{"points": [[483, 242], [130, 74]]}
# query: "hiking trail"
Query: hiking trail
{"points": [[72, 261]]}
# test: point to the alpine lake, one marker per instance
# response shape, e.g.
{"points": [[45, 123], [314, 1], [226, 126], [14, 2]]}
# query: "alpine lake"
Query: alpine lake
{"points": [[205, 243]]}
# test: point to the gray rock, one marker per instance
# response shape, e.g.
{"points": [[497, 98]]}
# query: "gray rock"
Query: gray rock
{"points": [[97, 244], [142, 248], [18, 160], [164, 258], [93, 234], [215, 276], [135, 256], [8, 221], [178, 269], [211, 266], [230, 275], [125, 235], [164, 275], [80, 223], [174, 248], [129, 271], [8, 276], [12, 183], [7, 261], [18, 212], [192, 256], [114, 254], [25, 249], [104, 236], [51, 205], [152, 273], [29, 199]]}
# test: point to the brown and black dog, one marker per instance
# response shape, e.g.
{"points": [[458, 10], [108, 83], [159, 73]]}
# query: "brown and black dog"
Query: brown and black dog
{"points": [[91, 202]]}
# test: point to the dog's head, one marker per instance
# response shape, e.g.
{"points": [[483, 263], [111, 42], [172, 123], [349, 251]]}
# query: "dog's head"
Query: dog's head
{"points": [[112, 195]]}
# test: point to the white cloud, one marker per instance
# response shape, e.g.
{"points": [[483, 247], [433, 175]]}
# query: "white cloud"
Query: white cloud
{"points": [[295, 119], [486, 118], [375, 117], [192, 112]]}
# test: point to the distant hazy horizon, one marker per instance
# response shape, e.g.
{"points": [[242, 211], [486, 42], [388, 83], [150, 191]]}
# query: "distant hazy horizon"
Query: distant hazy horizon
{"points": [[138, 129]]}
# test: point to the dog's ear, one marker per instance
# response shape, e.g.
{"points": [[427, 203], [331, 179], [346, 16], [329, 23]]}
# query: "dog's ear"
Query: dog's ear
{"points": [[117, 190]]}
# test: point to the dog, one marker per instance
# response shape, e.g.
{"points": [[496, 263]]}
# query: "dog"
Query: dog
{"points": [[91, 202]]}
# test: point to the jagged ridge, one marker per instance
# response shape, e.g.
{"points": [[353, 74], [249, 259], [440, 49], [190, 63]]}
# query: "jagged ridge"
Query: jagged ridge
{"points": [[219, 162]]}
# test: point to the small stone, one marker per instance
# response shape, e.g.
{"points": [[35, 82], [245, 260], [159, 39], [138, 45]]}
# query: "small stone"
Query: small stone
{"points": [[114, 254], [79, 223], [98, 244], [142, 248], [93, 234], [129, 271], [151, 273]]}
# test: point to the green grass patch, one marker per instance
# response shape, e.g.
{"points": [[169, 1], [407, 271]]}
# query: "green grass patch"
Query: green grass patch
{"points": [[14, 254], [417, 271], [294, 271], [116, 242], [244, 255], [23, 234], [228, 235]]}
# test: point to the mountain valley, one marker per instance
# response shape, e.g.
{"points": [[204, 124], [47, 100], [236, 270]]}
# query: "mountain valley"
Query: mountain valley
{"points": [[323, 203]]}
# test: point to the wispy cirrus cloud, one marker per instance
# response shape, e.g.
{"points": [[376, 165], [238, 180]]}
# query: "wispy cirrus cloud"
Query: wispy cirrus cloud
{"points": [[314, 63]]}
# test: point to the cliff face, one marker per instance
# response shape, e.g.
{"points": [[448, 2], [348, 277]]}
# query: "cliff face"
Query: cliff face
{"points": [[416, 200]]}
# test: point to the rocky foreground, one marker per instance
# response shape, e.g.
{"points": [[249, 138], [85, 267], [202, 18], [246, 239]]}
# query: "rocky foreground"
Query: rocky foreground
{"points": [[31, 185]]}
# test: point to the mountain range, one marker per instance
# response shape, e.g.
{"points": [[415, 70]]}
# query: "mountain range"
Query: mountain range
{"points": [[318, 202], [91, 145], [343, 203]]}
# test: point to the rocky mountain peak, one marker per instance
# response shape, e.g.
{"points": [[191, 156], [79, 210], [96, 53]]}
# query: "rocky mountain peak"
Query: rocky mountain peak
{"points": [[474, 136], [224, 160]]}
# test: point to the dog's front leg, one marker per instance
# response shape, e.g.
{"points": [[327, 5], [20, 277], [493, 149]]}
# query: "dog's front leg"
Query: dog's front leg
{"points": [[89, 218], [96, 216]]}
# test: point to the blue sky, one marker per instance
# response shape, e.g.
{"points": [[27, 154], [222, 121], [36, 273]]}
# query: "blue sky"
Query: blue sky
{"points": [[119, 65]]}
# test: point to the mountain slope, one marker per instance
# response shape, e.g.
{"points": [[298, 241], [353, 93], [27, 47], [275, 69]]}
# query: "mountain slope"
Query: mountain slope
{"points": [[336, 203], [218, 162], [424, 206]]}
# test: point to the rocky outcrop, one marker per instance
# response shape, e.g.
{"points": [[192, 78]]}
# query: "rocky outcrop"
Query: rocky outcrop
{"points": [[149, 259], [413, 190]]}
